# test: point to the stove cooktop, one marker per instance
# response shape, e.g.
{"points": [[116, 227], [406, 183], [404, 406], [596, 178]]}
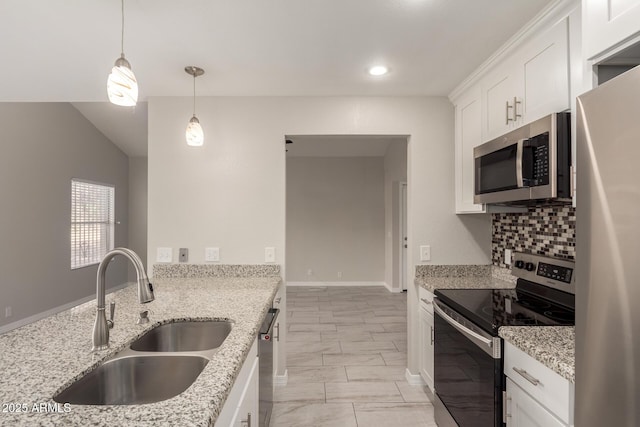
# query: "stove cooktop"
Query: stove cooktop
{"points": [[492, 308]]}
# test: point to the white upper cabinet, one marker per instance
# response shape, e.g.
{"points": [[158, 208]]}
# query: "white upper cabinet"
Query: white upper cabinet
{"points": [[608, 24], [532, 83], [468, 135], [546, 73]]}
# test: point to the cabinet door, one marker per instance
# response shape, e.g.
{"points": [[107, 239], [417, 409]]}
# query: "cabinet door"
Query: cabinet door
{"points": [[546, 73], [468, 136], [608, 23], [498, 93], [426, 347], [247, 412], [524, 411]]}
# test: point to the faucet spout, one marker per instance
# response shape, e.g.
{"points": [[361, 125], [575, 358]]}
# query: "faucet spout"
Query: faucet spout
{"points": [[145, 293]]}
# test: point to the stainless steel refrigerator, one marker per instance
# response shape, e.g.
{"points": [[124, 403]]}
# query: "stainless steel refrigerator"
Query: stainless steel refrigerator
{"points": [[608, 254]]}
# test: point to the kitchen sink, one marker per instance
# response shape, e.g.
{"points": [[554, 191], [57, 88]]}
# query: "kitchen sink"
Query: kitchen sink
{"points": [[184, 336], [134, 380]]}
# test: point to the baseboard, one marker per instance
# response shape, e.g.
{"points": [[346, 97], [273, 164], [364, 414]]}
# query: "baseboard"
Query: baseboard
{"points": [[413, 379], [323, 284], [55, 310], [390, 289], [281, 380]]}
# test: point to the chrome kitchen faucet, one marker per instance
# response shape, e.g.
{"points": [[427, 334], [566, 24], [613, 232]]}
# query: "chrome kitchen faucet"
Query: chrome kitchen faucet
{"points": [[145, 294]]}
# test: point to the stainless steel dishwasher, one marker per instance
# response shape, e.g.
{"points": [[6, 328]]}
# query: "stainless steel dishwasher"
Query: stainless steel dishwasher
{"points": [[265, 355]]}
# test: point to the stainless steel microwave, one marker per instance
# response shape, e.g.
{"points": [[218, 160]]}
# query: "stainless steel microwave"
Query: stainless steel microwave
{"points": [[529, 166]]}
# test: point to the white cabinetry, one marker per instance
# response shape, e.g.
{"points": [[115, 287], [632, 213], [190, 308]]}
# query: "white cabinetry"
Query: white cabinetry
{"points": [[608, 24], [243, 400], [426, 337], [468, 135], [246, 414], [532, 83], [535, 396]]}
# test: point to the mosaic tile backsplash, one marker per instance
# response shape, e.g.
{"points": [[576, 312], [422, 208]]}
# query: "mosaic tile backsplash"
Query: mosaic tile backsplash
{"points": [[549, 231]]}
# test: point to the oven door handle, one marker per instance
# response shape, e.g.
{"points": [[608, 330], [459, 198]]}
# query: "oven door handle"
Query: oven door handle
{"points": [[461, 328]]}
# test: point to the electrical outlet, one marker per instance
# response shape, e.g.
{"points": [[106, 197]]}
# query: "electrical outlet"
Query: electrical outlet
{"points": [[164, 255], [425, 253], [212, 254], [339, 274], [270, 254], [309, 272], [507, 256], [8, 311], [184, 255]]}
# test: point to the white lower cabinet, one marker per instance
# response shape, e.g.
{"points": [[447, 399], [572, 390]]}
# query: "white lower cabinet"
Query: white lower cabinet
{"points": [[241, 407], [426, 337], [246, 414], [536, 396], [524, 411]]}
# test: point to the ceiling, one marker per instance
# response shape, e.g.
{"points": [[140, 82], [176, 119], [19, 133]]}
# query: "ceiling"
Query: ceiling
{"points": [[62, 51], [341, 145]]}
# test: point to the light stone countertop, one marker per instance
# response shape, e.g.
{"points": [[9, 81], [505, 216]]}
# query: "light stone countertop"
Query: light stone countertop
{"points": [[41, 359], [464, 282], [553, 346]]}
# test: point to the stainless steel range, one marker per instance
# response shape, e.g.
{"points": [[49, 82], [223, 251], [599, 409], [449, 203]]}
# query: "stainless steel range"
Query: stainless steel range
{"points": [[468, 352]]}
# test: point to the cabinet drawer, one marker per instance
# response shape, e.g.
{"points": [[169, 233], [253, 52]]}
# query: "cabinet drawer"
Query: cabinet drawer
{"points": [[552, 391], [426, 299]]}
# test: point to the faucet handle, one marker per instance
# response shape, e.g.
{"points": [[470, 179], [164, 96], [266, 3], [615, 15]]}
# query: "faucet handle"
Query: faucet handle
{"points": [[112, 312]]}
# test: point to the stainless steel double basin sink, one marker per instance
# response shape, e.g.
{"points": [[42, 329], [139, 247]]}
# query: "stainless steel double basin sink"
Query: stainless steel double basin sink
{"points": [[159, 365]]}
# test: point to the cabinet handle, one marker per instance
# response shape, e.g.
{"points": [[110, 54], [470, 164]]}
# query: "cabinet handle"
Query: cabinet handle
{"points": [[527, 376], [432, 335], [247, 422], [277, 329], [515, 108], [424, 300], [508, 119], [505, 410]]}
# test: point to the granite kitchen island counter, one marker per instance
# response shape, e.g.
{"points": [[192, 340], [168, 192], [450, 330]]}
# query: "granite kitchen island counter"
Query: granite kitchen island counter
{"points": [[43, 358], [553, 346]]}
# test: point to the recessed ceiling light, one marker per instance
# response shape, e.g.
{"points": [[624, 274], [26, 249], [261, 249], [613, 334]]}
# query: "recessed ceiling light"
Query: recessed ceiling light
{"points": [[378, 70]]}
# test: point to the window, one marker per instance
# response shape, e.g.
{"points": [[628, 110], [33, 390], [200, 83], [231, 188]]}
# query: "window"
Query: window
{"points": [[92, 222]]}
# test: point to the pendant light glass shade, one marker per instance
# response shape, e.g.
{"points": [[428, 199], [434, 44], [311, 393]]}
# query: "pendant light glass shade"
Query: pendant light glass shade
{"points": [[195, 134], [122, 86]]}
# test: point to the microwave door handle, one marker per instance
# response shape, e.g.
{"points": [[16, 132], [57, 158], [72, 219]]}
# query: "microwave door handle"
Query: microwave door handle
{"points": [[519, 156]]}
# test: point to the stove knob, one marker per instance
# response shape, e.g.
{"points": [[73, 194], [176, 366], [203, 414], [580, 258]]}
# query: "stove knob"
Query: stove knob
{"points": [[530, 266], [519, 264]]}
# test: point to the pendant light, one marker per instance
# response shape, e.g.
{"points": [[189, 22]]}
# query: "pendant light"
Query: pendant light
{"points": [[122, 86], [195, 134]]}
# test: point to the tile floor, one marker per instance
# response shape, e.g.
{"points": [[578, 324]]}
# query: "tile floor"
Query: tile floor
{"points": [[346, 356]]}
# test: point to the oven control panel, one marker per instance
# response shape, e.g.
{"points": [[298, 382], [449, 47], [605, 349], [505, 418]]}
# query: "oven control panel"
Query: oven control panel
{"points": [[553, 272]]}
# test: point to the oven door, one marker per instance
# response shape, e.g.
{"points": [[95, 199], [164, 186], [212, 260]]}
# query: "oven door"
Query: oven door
{"points": [[468, 372]]}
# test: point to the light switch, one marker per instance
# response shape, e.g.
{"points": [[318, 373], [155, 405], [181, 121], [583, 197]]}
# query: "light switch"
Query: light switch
{"points": [[425, 253], [164, 255], [269, 254], [212, 254]]}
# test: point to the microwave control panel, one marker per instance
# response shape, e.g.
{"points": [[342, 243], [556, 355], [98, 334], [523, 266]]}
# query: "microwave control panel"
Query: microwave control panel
{"points": [[540, 146]]}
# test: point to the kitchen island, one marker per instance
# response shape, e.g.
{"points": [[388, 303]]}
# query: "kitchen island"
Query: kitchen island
{"points": [[41, 359]]}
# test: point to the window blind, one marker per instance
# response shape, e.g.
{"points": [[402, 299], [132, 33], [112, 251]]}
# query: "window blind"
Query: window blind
{"points": [[92, 222]]}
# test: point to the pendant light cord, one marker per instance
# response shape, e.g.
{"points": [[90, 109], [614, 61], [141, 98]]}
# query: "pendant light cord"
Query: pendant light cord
{"points": [[122, 34], [194, 94]]}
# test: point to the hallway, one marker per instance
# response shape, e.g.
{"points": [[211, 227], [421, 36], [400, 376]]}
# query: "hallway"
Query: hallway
{"points": [[346, 358]]}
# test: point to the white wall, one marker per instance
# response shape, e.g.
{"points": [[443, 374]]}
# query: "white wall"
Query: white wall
{"points": [[335, 219], [137, 210], [44, 145], [231, 192], [395, 172]]}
